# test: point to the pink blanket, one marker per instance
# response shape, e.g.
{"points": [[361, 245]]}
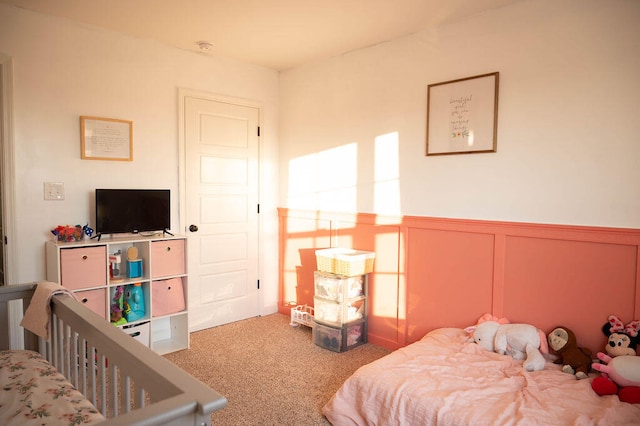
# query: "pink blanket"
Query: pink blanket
{"points": [[38, 313], [445, 380]]}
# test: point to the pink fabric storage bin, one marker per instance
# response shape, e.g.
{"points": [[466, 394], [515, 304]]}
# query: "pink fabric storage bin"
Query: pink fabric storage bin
{"points": [[83, 267], [94, 300], [167, 258], [167, 297]]}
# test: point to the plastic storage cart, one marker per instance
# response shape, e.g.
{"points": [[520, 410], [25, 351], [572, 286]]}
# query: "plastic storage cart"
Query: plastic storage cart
{"points": [[340, 298]]}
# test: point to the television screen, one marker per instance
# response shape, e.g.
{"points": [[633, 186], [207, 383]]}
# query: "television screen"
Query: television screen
{"points": [[132, 210]]}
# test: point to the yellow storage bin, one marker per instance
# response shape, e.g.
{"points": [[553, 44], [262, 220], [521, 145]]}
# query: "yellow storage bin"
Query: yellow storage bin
{"points": [[347, 262]]}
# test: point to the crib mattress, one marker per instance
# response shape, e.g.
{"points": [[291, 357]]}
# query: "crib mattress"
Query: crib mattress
{"points": [[444, 380], [33, 392]]}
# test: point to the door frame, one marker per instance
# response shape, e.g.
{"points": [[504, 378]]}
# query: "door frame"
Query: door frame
{"points": [[8, 169], [7, 189], [182, 173]]}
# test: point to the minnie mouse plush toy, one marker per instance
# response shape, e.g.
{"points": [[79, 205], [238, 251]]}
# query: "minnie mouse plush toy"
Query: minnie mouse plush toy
{"points": [[623, 339], [621, 368]]}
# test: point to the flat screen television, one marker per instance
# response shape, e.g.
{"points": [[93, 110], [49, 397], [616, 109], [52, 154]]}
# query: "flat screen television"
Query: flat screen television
{"points": [[120, 211]]}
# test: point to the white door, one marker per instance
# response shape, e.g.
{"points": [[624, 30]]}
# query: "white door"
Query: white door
{"points": [[221, 210]]}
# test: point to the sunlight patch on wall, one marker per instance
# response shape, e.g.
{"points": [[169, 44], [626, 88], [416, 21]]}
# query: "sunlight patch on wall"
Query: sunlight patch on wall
{"points": [[325, 180], [386, 279], [387, 174]]}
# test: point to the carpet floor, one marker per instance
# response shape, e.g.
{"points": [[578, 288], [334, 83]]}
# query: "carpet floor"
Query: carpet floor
{"points": [[270, 372]]}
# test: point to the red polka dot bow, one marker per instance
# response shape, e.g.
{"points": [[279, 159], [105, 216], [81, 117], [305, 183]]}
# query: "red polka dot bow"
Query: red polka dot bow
{"points": [[617, 326]]}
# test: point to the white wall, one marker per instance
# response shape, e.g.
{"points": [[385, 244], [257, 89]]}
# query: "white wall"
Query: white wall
{"points": [[62, 71], [568, 144]]}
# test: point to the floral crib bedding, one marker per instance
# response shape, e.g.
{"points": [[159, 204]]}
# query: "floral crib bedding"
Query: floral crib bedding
{"points": [[33, 392]]}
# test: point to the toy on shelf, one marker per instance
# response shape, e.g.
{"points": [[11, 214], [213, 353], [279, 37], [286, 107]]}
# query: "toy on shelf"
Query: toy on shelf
{"points": [[117, 317], [68, 233], [115, 261], [134, 302], [86, 230], [134, 264]]}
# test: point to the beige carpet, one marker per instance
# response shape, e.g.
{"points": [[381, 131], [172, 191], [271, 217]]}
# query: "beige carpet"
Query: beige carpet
{"points": [[270, 372]]}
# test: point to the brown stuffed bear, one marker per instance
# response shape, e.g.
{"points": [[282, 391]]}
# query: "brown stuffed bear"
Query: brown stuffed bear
{"points": [[574, 360]]}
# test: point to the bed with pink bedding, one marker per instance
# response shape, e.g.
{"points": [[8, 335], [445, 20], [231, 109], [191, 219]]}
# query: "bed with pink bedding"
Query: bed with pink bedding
{"points": [[445, 380]]}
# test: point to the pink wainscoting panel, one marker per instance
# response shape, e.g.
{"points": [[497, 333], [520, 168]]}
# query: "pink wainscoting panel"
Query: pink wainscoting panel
{"points": [[577, 284], [449, 277], [545, 275]]}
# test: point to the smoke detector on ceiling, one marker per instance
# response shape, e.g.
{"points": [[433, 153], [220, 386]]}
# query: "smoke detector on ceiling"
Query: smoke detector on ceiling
{"points": [[205, 46]]}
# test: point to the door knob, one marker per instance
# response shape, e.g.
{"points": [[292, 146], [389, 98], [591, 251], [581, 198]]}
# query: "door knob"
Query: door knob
{"points": [[193, 228]]}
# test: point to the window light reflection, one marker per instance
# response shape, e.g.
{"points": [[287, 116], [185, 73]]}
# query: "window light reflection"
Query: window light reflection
{"points": [[387, 174], [326, 180]]}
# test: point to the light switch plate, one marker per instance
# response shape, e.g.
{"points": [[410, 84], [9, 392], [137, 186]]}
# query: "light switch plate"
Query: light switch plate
{"points": [[54, 191]]}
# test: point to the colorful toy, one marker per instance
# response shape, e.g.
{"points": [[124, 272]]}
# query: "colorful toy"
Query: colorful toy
{"points": [[87, 231], [134, 264], [69, 233], [115, 260], [116, 316], [521, 341], [134, 302], [620, 375], [574, 359], [623, 339], [117, 306]]}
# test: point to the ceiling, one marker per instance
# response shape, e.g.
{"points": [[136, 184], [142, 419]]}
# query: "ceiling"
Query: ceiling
{"points": [[278, 34]]}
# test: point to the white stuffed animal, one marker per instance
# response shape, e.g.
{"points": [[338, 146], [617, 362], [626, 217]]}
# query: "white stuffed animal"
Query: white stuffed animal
{"points": [[521, 341]]}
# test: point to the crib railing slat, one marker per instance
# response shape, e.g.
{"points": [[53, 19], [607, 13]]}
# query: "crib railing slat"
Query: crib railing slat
{"points": [[67, 350], [92, 371], [74, 360], [113, 406], [101, 382], [139, 397], [83, 365], [54, 341]]}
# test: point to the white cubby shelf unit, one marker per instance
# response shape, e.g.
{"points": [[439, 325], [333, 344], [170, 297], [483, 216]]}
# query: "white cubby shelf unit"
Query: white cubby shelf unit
{"points": [[84, 268]]}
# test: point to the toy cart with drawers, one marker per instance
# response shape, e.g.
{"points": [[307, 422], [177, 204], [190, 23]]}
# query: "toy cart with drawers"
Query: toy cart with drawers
{"points": [[340, 298]]}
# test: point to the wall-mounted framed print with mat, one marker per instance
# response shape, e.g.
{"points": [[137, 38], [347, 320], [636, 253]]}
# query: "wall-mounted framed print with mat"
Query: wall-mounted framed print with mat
{"points": [[106, 139], [462, 115]]}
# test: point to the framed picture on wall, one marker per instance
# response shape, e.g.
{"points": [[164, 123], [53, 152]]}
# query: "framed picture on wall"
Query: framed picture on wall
{"points": [[106, 139], [462, 115]]}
